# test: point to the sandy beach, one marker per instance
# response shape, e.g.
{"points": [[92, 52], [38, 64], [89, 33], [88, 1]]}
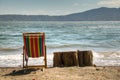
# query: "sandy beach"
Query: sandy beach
{"points": [[61, 73]]}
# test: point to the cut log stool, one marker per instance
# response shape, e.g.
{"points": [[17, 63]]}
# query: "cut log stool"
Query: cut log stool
{"points": [[85, 58], [65, 59], [73, 58]]}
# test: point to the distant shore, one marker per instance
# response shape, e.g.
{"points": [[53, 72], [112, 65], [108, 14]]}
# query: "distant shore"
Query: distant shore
{"points": [[64, 73]]}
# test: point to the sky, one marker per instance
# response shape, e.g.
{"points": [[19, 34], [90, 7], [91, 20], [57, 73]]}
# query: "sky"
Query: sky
{"points": [[53, 7]]}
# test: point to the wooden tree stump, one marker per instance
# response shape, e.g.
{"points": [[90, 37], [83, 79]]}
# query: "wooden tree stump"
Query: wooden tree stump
{"points": [[88, 58], [85, 58], [65, 59], [72, 58], [69, 59], [57, 60], [80, 58]]}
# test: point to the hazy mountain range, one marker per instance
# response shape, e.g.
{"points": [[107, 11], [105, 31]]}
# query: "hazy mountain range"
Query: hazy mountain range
{"points": [[99, 14]]}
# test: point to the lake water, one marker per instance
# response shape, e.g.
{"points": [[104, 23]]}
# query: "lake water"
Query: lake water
{"points": [[98, 36]]}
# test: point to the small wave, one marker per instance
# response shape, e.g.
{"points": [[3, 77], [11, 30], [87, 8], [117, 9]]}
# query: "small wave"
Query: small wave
{"points": [[97, 55], [106, 54], [10, 49], [68, 45], [115, 54], [60, 45]]}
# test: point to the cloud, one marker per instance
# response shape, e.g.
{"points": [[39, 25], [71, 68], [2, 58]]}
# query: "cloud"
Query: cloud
{"points": [[31, 12], [36, 12], [45, 12], [109, 3], [76, 4]]}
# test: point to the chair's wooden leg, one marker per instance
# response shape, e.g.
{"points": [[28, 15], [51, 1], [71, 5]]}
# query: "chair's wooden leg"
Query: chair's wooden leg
{"points": [[23, 57], [45, 58], [26, 64]]}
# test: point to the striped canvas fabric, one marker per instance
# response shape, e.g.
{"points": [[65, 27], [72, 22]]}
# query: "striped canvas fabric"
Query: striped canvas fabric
{"points": [[34, 44]]}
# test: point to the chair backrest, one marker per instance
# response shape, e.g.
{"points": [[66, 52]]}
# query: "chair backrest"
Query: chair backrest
{"points": [[34, 44]]}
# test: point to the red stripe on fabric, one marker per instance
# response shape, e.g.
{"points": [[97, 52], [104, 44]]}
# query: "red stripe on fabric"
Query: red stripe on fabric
{"points": [[32, 46], [36, 46]]}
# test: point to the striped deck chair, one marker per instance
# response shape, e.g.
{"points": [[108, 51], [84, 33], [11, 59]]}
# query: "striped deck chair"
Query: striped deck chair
{"points": [[34, 47]]}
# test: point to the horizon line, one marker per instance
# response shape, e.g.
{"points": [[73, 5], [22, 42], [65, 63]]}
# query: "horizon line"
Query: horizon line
{"points": [[52, 15]]}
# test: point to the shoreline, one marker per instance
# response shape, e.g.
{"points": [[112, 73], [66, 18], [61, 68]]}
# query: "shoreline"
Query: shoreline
{"points": [[99, 59], [97, 72]]}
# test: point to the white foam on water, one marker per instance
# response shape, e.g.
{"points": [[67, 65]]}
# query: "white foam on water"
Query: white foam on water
{"points": [[10, 60], [97, 55], [113, 59], [15, 60], [115, 54]]}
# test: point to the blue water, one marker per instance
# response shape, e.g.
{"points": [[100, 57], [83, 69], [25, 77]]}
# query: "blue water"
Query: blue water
{"points": [[84, 35], [98, 36]]}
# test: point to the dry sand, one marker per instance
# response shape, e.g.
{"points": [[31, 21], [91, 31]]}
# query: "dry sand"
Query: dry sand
{"points": [[63, 73]]}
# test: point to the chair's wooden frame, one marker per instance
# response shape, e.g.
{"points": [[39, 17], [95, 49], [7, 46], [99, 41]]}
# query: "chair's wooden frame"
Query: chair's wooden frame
{"points": [[36, 66]]}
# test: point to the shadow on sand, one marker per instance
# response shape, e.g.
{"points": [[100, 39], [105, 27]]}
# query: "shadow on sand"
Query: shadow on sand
{"points": [[21, 72]]}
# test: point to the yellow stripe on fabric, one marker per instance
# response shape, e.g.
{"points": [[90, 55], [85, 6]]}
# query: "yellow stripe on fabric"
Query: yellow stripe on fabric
{"points": [[30, 46]]}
